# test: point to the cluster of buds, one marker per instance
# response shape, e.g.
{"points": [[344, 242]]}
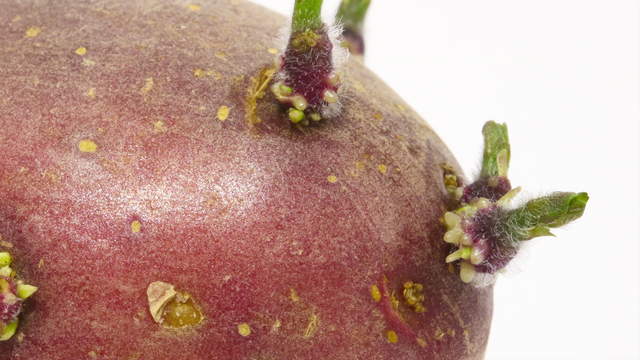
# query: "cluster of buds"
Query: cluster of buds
{"points": [[307, 82], [13, 292], [484, 231]]}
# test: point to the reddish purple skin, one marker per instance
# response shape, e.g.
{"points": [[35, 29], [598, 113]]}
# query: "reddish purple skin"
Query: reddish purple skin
{"points": [[308, 70], [235, 214]]}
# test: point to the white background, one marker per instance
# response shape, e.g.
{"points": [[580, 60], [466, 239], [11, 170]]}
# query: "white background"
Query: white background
{"points": [[564, 75]]}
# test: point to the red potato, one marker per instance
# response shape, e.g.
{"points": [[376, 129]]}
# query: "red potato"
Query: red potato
{"points": [[153, 189]]}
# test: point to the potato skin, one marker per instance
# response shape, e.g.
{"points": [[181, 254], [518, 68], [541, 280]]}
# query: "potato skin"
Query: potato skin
{"points": [[282, 229]]}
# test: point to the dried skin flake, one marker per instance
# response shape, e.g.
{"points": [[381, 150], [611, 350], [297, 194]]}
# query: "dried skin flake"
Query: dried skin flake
{"points": [[159, 294]]}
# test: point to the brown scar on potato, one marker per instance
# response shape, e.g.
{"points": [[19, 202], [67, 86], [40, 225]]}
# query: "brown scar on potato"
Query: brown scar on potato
{"points": [[170, 308]]}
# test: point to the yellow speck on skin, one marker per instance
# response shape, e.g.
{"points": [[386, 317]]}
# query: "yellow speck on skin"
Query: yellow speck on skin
{"points": [[148, 85], [273, 51], [312, 326], [377, 116], [91, 93], [244, 329], [276, 325], [202, 73], [392, 336], [87, 146], [159, 126], [422, 342], [199, 73], [401, 107], [194, 7], [16, 18], [136, 226], [81, 51], [88, 62], [332, 179], [223, 112], [220, 55], [376, 295], [32, 32], [293, 295], [92, 354], [382, 168]]}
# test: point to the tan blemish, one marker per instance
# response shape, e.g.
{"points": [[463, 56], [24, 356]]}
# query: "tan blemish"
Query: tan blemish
{"points": [[293, 295], [159, 126], [20, 337], [223, 113], [170, 308], [194, 7], [88, 62], [455, 310], [414, 296], [87, 146], [360, 165], [401, 107], [312, 326], [382, 168], [392, 336], [52, 175], [16, 18], [421, 342], [148, 86], [92, 354], [256, 92], [5, 243], [41, 264], [91, 93], [220, 55], [378, 116], [32, 32], [358, 86], [395, 303], [332, 179], [244, 329], [376, 295], [202, 73], [276, 325], [136, 226], [273, 51], [439, 335], [81, 51]]}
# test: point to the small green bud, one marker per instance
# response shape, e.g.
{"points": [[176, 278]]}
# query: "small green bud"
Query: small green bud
{"points": [[24, 291], [285, 90], [9, 330], [299, 102], [295, 115], [5, 259], [6, 271]]}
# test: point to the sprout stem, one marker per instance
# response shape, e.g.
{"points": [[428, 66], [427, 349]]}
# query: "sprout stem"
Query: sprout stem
{"points": [[538, 215], [497, 151], [351, 13], [306, 15]]}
